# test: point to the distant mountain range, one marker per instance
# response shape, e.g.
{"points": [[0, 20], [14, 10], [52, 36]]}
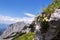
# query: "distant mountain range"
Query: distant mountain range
{"points": [[3, 28], [14, 29]]}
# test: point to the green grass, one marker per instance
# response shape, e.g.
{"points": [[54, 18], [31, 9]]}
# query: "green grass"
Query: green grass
{"points": [[28, 36]]}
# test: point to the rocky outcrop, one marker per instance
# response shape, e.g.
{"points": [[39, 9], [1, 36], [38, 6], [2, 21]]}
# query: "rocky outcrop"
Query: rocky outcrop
{"points": [[14, 29], [53, 29], [54, 26]]}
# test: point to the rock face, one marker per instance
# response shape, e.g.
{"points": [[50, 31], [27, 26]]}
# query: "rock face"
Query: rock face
{"points": [[54, 26], [38, 32], [53, 29], [13, 29]]}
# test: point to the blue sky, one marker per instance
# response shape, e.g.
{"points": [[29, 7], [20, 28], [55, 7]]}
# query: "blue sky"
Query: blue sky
{"points": [[12, 10]]}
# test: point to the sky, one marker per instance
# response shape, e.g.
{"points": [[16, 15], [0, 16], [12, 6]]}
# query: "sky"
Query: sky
{"points": [[21, 10]]}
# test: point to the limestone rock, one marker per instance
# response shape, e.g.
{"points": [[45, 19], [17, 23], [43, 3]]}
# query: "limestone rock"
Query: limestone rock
{"points": [[13, 29], [53, 30], [54, 26]]}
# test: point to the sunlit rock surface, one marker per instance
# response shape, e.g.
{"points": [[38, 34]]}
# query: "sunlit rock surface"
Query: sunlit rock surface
{"points": [[13, 29], [54, 26], [53, 30], [38, 32]]}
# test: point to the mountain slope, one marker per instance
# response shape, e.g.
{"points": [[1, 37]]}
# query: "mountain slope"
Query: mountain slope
{"points": [[3, 27], [15, 29], [28, 36]]}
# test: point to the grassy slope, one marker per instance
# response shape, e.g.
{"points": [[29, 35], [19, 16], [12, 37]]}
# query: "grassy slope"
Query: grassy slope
{"points": [[28, 36]]}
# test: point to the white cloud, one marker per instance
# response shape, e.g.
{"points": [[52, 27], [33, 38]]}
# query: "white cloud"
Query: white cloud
{"points": [[9, 19], [29, 14]]}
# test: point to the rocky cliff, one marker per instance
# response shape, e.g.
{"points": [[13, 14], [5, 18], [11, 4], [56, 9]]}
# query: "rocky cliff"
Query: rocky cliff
{"points": [[50, 32], [14, 29], [48, 22]]}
